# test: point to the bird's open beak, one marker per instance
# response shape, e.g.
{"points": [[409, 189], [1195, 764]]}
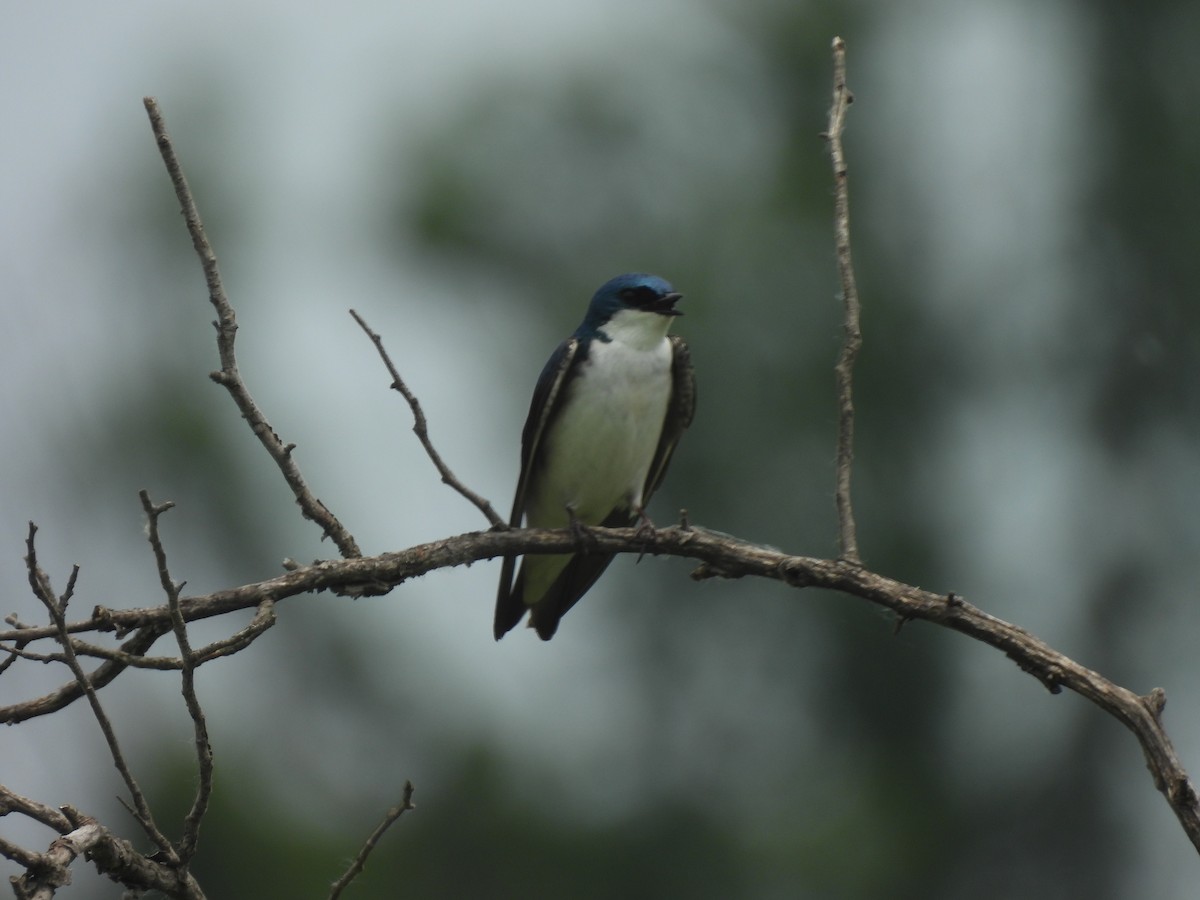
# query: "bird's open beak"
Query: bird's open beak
{"points": [[665, 306]]}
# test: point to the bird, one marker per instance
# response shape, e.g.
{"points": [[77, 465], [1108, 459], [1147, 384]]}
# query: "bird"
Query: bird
{"points": [[607, 413]]}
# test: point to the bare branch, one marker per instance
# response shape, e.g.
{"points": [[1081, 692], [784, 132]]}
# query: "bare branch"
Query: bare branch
{"points": [[40, 582], [14, 653], [229, 376], [46, 872], [724, 556], [264, 618], [79, 833], [361, 860], [19, 855], [102, 676], [422, 431], [39, 812], [844, 371], [204, 754]]}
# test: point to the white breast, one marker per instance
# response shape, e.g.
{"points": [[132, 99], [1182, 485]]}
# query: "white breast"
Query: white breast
{"points": [[598, 452]]}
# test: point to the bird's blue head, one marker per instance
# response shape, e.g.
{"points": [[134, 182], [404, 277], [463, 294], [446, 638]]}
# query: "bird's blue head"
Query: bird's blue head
{"points": [[634, 291]]}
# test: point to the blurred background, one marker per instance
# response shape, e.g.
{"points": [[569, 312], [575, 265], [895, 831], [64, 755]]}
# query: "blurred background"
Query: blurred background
{"points": [[1023, 184]]}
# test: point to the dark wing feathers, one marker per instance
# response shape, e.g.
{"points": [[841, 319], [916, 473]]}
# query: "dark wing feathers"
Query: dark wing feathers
{"points": [[680, 410], [547, 395], [584, 568]]}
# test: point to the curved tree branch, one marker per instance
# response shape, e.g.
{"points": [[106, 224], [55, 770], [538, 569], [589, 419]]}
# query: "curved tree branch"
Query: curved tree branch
{"points": [[721, 556]]}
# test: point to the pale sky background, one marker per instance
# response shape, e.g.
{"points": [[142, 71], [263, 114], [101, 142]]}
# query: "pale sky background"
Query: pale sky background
{"points": [[307, 100]]}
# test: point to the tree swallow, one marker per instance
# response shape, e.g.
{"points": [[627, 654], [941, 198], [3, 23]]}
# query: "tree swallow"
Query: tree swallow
{"points": [[607, 412]]}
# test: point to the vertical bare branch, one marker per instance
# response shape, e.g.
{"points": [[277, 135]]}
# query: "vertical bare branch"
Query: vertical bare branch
{"points": [[57, 608], [229, 376], [204, 753], [421, 430], [842, 98], [360, 861]]}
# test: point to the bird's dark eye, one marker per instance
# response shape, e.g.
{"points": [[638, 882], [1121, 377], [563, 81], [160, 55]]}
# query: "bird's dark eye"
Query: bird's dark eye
{"points": [[638, 296]]}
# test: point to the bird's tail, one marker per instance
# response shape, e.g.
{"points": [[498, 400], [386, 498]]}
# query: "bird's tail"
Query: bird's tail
{"points": [[570, 585], [509, 603]]}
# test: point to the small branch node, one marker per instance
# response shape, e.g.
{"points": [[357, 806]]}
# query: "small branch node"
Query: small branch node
{"points": [[793, 575], [75, 817], [1155, 702], [1050, 674], [1182, 793], [103, 620]]}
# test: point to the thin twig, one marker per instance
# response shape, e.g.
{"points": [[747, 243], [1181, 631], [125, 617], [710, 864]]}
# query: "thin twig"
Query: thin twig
{"points": [[101, 676], [421, 430], [14, 653], [57, 608], [361, 860], [263, 619], [229, 376], [17, 653], [226, 647], [842, 98], [204, 753]]}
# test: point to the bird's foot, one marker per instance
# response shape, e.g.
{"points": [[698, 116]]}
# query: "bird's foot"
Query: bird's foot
{"points": [[579, 531], [645, 526], [645, 531]]}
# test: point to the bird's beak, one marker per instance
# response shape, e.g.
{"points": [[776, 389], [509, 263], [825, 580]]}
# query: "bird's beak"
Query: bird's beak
{"points": [[665, 306]]}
